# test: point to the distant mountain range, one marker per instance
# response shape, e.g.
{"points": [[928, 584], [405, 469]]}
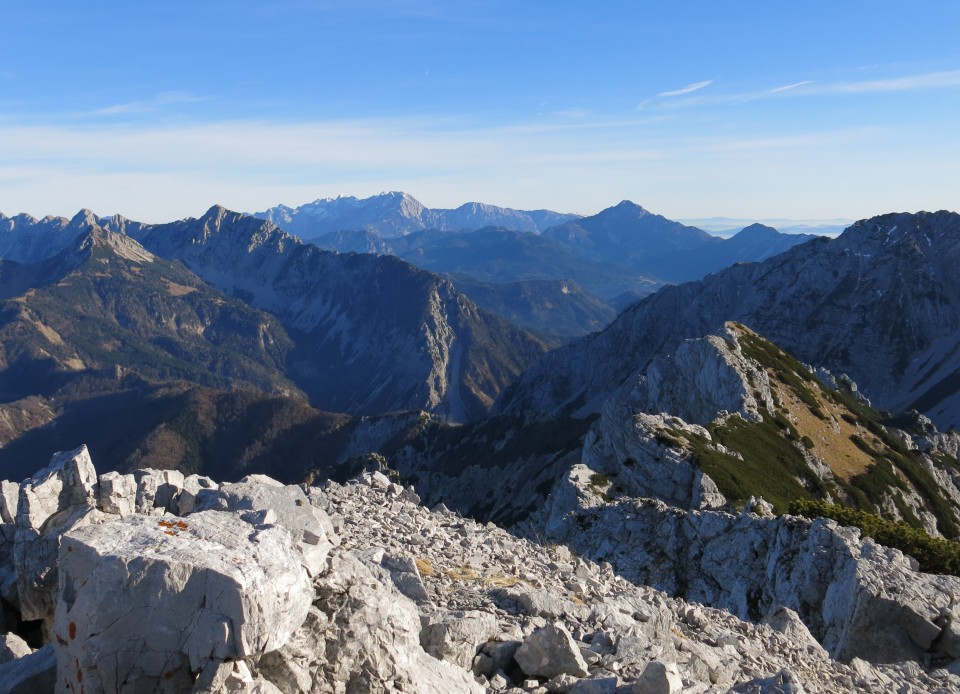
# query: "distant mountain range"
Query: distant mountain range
{"points": [[606, 261], [616, 256], [496, 255], [630, 236], [398, 214]]}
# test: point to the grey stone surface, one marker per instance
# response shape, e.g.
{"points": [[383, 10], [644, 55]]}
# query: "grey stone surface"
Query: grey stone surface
{"points": [[309, 526], [659, 678], [32, 674], [118, 494], [9, 498], [457, 636]]}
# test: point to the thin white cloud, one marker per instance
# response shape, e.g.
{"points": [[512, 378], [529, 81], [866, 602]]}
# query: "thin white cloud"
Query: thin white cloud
{"points": [[808, 88], [788, 87], [150, 105], [689, 89], [683, 91], [930, 80]]}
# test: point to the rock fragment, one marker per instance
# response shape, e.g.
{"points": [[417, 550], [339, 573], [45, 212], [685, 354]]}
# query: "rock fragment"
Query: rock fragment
{"points": [[309, 526], [9, 497], [659, 678], [457, 636], [551, 651], [118, 494], [30, 674], [12, 647]]}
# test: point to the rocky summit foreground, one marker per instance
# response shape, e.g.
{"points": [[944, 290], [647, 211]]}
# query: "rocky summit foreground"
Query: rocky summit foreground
{"points": [[155, 582]]}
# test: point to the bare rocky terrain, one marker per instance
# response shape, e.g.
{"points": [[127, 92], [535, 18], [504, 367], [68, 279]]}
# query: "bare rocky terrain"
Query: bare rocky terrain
{"points": [[156, 582]]}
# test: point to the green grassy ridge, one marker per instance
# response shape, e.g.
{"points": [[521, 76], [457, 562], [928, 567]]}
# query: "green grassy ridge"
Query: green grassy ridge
{"points": [[934, 554], [905, 460], [774, 466], [771, 462], [866, 490]]}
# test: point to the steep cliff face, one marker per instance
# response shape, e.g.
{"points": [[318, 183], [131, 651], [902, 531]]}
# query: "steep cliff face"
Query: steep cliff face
{"points": [[374, 333], [880, 303]]}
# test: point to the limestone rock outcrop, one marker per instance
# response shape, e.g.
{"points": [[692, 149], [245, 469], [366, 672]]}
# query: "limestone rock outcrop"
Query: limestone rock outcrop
{"points": [[856, 597], [61, 497]]}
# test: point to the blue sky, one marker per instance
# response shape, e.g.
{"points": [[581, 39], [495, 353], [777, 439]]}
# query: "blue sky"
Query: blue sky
{"points": [[693, 109]]}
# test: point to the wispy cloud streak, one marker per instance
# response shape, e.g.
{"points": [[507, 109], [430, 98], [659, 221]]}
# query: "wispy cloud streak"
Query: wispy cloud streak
{"points": [[930, 80], [788, 87], [150, 105], [689, 89]]}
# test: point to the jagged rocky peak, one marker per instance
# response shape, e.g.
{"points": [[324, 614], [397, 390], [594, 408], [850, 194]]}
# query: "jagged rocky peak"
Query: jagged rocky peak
{"points": [[904, 226], [631, 208], [886, 313], [84, 219], [703, 378], [261, 587], [98, 238], [378, 334]]}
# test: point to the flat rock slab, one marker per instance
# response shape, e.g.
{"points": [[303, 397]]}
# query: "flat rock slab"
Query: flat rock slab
{"points": [[147, 602], [310, 528]]}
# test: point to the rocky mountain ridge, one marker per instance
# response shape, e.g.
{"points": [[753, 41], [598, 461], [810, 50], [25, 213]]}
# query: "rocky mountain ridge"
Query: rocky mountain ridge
{"points": [[107, 304], [371, 334], [496, 254], [258, 587], [879, 303]]}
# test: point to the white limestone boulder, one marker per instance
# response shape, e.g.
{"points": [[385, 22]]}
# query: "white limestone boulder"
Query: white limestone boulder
{"points": [[206, 588], [193, 486], [456, 637], [551, 651], [659, 678], [158, 490], [69, 481], [788, 623]]}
